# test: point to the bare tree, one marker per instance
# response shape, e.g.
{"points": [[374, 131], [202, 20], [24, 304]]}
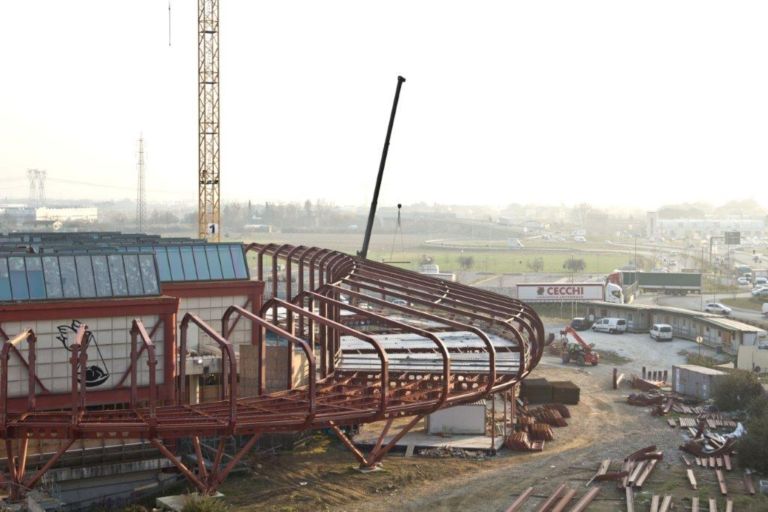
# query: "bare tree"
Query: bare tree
{"points": [[575, 265]]}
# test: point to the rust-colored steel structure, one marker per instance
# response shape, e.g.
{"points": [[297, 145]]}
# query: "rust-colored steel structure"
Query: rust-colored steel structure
{"points": [[378, 343]]}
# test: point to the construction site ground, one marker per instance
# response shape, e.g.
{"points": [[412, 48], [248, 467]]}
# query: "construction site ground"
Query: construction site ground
{"points": [[322, 476]]}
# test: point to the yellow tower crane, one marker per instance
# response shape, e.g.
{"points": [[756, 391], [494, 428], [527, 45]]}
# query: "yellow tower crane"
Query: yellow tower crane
{"points": [[209, 205]]}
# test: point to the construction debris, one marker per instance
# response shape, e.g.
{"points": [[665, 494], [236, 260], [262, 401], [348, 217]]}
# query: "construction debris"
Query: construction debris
{"points": [[749, 485], [541, 432], [520, 441], [691, 478], [585, 500], [520, 501], [544, 507], [444, 452], [549, 416]]}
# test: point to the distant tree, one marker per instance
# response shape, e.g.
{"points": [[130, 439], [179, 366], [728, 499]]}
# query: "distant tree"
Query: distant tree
{"points": [[575, 265], [535, 265], [466, 262]]}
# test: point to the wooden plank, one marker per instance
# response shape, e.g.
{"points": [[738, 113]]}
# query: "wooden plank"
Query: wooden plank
{"points": [[644, 475], [698, 461], [691, 478], [630, 499], [727, 460], [719, 462], [671, 423], [712, 505], [712, 462], [636, 473], [686, 460], [721, 482], [520, 501], [749, 485], [628, 467], [666, 503], [695, 504], [409, 450], [552, 498], [585, 500], [655, 503], [567, 497], [729, 505], [602, 470]]}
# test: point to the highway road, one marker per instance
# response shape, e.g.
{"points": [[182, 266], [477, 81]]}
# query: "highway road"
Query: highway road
{"points": [[696, 302]]}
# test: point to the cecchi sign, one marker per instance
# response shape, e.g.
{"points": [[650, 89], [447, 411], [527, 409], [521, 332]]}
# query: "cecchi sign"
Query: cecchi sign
{"points": [[560, 291]]}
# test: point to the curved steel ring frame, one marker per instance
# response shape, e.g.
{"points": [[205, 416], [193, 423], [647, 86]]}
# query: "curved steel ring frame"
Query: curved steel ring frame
{"points": [[339, 301]]}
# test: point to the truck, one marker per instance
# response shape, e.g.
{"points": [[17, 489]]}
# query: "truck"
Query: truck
{"points": [[565, 292], [670, 283]]}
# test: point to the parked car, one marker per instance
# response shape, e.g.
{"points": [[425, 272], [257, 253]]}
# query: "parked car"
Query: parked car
{"points": [[760, 291], [661, 332], [761, 281], [580, 324], [742, 280], [610, 325], [716, 307]]}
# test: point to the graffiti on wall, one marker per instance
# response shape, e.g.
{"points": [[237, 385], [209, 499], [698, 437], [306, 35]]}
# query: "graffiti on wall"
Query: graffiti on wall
{"points": [[95, 375]]}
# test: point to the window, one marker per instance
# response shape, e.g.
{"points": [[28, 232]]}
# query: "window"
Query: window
{"points": [[214, 263], [227, 267], [35, 278], [117, 274], [174, 258], [85, 276], [101, 275], [133, 274], [201, 263], [148, 274], [18, 278], [5, 280], [163, 267], [52, 277], [188, 262], [241, 272], [69, 276]]}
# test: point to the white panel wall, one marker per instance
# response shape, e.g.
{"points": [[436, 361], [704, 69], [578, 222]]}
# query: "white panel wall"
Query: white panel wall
{"points": [[210, 310], [110, 352]]}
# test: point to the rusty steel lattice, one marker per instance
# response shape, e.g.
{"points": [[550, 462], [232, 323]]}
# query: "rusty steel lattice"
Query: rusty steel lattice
{"points": [[379, 343]]}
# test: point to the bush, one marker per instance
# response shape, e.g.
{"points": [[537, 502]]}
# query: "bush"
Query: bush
{"points": [[737, 390], [205, 504], [753, 450]]}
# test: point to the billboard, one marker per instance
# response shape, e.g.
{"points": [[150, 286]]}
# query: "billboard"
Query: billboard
{"points": [[553, 292]]}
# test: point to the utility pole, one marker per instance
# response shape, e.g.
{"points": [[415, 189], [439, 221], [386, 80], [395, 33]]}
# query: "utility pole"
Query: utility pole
{"points": [[209, 206], [141, 211]]}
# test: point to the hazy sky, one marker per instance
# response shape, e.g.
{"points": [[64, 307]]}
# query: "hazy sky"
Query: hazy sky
{"points": [[608, 102]]}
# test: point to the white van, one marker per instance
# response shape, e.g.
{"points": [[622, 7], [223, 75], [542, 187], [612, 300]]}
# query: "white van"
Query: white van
{"points": [[661, 332], [611, 325]]}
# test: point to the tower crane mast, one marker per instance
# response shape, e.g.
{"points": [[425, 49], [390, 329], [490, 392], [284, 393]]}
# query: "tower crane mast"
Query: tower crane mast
{"points": [[209, 205]]}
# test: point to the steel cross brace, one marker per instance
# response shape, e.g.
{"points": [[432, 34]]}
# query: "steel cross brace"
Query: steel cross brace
{"points": [[380, 449]]}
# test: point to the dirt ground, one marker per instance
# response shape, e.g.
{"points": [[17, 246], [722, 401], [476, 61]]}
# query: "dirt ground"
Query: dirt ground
{"points": [[322, 477]]}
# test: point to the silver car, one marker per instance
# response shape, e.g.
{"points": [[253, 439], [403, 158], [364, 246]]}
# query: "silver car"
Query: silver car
{"points": [[716, 307]]}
